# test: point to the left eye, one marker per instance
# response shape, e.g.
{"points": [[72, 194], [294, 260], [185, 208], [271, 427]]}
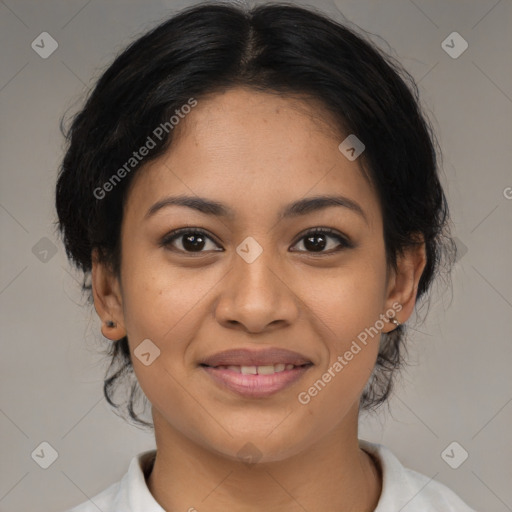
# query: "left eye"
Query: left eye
{"points": [[317, 240]]}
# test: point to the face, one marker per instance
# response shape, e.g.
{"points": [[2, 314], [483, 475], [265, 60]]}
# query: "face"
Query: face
{"points": [[260, 285]]}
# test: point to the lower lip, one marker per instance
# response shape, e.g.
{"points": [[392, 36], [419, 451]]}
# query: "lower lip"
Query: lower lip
{"points": [[255, 386]]}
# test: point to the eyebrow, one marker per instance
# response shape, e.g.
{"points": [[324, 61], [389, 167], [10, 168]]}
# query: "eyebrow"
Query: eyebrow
{"points": [[295, 209]]}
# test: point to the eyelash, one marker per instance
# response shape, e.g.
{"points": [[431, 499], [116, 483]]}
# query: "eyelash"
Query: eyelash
{"points": [[174, 235]]}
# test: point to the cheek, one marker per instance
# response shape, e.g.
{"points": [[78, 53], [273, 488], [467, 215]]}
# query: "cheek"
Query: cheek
{"points": [[346, 301], [346, 308], [163, 307], [351, 352], [157, 298]]}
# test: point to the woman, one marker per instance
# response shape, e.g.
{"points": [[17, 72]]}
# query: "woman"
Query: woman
{"points": [[254, 194]]}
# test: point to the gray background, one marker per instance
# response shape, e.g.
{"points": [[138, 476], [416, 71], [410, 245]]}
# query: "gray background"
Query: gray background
{"points": [[458, 387]]}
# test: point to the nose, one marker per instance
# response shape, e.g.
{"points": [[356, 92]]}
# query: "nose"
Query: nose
{"points": [[257, 297]]}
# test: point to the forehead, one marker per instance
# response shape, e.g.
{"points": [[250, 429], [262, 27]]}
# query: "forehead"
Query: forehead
{"points": [[254, 151]]}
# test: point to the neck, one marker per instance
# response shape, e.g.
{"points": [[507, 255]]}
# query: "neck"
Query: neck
{"points": [[333, 474]]}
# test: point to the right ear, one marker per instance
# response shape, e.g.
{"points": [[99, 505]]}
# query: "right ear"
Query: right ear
{"points": [[107, 296]]}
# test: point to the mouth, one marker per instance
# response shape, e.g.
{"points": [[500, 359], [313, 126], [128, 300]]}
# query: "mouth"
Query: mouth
{"points": [[255, 374], [267, 369]]}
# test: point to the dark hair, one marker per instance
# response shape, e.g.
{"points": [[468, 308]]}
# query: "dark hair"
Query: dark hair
{"points": [[276, 48]]}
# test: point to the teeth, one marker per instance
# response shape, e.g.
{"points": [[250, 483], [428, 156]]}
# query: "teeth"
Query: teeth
{"points": [[265, 370], [258, 370]]}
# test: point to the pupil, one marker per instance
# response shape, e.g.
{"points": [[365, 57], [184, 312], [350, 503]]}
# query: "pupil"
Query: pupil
{"points": [[309, 244], [189, 243]]}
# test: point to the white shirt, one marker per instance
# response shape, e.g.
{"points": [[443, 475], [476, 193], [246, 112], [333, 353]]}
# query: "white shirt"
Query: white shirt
{"points": [[403, 490]]}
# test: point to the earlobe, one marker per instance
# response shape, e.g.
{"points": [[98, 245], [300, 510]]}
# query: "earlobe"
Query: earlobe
{"points": [[107, 299]]}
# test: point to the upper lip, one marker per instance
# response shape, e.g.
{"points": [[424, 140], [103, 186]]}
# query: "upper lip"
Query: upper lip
{"points": [[263, 357]]}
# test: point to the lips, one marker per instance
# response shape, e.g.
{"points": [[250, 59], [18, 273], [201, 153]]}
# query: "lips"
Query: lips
{"points": [[256, 374], [268, 369], [248, 358]]}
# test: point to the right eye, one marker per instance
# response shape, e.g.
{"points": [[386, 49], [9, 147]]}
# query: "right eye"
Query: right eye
{"points": [[191, 240]]}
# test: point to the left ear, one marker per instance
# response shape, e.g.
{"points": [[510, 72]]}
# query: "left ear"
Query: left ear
{"points": [[403, 284]]}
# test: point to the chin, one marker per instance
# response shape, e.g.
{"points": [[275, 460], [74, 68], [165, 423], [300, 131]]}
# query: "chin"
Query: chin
{"points": [[253, 445]]}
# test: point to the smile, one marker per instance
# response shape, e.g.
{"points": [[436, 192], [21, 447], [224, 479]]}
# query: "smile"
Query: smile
{"points": [[255, 385], [258, 370]]}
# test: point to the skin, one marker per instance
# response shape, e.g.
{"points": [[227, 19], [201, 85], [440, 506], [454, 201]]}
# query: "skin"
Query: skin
{"points": [[255, 153]]}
